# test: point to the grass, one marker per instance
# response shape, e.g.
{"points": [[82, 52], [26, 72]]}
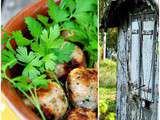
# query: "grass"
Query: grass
{"points": [[107, 73], [107, 90]]}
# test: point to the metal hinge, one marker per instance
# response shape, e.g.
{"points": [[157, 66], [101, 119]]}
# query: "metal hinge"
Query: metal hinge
{"points": [[147, 32]]}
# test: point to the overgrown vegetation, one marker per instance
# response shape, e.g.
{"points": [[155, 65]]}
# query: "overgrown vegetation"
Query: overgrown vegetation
{"points": [[107, 90], [107, 73]]}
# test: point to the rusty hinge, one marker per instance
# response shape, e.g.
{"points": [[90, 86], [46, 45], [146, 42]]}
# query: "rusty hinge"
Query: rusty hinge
{"points": [[147, 32], [135, 31]]}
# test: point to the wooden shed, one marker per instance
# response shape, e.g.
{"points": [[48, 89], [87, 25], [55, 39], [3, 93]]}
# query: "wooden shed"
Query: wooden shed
{"points": [[137, 57]]}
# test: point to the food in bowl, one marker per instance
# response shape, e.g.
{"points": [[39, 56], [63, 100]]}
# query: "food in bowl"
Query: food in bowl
{"points": [[42, 57]]}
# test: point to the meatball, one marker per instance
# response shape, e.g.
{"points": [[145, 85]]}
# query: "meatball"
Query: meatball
{"points": [[78, 59], [81, 114], [53, 101], [60, 70], [82, 87]]}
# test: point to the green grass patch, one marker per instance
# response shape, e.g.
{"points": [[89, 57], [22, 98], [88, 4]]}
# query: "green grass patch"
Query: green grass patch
{"points": [[107, 101], [107, 90], [107, 73]]}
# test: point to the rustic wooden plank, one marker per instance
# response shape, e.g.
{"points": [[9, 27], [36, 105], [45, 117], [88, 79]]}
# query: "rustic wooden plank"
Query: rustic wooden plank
{"points": [[122, 76], [147, 59], [135, 53], [130, 105], [155, 105]]}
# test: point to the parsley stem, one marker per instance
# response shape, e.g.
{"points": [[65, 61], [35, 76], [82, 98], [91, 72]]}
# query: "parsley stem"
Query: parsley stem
{"points": [[37, 105], [20, 63], [33, 99], [55, 77], [41, 112]]}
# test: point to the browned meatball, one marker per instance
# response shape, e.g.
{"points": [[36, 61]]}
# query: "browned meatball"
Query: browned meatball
{"points": [[81, 114], [78, 59], [82, 86], [53, 101], [60, 70]]}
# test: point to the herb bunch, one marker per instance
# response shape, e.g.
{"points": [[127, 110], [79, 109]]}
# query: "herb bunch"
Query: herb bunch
{"points": [[46, 49]]}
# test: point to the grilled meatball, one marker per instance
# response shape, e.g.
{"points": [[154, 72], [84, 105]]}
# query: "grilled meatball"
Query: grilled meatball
{"points": [[81, 114], [82, 86], [78, 59], [53, 101], [60, 70]]}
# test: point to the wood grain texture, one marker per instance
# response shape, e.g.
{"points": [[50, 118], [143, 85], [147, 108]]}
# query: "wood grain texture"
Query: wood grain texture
{"points": [[137, 78]]}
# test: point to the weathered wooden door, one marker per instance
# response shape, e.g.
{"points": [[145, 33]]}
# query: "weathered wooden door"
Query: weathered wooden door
{"points": [[137, 79]]}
